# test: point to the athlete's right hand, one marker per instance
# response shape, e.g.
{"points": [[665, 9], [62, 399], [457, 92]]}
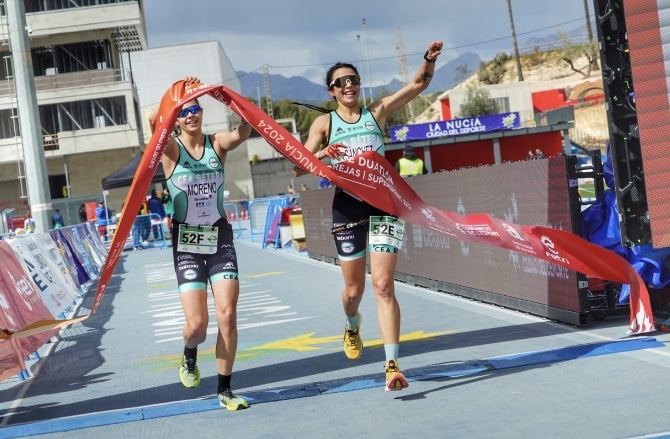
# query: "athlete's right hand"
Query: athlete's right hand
{"points": [[334, 151]]}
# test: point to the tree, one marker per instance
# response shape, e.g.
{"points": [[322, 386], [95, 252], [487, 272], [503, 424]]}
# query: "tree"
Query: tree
{"points": [[477, 102], [589, 33], [570, 53], [493, 72]]}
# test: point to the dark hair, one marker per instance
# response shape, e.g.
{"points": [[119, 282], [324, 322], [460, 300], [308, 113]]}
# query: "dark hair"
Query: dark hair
{"points": [[339, 65]]}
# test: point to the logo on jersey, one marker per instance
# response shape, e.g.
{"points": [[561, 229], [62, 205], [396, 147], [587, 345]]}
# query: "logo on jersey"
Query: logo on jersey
{"points": [[190, 274], [347, 247], [214, 163], [370, 126]]}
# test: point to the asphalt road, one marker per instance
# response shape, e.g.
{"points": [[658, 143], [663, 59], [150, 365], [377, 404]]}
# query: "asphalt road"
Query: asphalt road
{"points": [[475, 370]]}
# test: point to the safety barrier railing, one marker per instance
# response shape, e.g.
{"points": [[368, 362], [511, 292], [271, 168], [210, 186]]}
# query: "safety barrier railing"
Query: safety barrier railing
{"points": [[258, 211], [273, 218], [265, 215], [147, 231], [234, 218]]}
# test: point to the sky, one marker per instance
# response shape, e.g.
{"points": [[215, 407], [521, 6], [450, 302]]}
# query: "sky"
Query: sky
{"points": [[305, 37]]}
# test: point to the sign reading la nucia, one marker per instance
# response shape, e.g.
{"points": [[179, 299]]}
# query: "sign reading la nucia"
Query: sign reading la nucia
{"points": [[455, 127]]}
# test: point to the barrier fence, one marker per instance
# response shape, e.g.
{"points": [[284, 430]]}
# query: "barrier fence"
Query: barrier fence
{"points": [[148, 231], [265, 215], [258, 211], [52, 269], [234, 218]]}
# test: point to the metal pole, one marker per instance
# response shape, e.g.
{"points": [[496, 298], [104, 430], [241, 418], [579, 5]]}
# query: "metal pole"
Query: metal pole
{"points": [[360, 49], [67, 178], [367, 60], [29, 121], [104, 199]]}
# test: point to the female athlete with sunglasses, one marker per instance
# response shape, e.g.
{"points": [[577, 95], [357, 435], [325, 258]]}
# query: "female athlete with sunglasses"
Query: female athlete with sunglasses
{"points": [[344, 133], [202, 241]]}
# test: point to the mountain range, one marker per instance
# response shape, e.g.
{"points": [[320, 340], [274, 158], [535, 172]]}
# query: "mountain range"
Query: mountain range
{"points": [[300, 89], [446, 77]]}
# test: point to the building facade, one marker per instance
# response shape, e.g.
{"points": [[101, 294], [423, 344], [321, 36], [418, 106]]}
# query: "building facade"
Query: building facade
{"points": [[154, 70], [87, 100]]}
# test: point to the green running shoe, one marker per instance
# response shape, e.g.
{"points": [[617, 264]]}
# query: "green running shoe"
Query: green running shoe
{"points": [[230, 401], [189, 374]]}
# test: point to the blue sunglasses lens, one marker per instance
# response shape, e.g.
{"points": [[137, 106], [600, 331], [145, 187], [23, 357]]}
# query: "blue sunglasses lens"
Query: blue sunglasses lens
{"points": [[193, 109]]}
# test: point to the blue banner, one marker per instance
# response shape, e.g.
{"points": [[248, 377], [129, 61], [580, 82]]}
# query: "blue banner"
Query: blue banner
{"points": [[455, 127]]}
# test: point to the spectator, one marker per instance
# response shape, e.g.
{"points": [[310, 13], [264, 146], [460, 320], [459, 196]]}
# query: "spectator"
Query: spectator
{"points": [[531, 155], [409, 164], [103, 218], [155, 206], [539, 154], [290, 190], [57, 220], [303, 187], [143, 224], [83, 216], [29, 224], [168, 204], [324, 182], [137, 231]]}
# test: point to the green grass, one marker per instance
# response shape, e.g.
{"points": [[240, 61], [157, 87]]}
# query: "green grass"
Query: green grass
{"points": [[587, 190]]}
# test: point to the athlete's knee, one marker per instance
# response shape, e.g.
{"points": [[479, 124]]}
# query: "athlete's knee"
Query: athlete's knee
{"points": [[353, 289], [197, 328], [384, 288], [227, 319]]}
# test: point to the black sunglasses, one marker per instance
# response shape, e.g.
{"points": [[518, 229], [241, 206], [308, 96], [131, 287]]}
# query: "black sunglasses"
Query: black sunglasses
{"points": [[343, 81], [193, 109]]}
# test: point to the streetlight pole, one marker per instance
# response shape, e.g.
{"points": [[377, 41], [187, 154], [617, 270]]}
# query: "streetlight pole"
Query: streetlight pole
{"points": [[517, 57], [360, 50], [29, 119], [367, 59]]}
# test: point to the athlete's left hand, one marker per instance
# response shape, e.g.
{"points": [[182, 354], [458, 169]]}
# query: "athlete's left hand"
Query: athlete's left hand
{"points": [[434, 49]]}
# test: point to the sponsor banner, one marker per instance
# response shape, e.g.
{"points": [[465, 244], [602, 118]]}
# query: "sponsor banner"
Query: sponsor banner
{"points": [[370, 177], [58, 263], [96, 249], [20, 305], [56, 291], [455, 127], [85, 271], [72, 263], [85, 249]]}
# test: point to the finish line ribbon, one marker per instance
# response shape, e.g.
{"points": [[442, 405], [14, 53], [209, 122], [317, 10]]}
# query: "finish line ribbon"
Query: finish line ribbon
{"points": [[371, 178]]}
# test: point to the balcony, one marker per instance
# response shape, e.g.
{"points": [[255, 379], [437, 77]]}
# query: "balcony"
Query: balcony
{"points": [[68, 80], [122, 20]]}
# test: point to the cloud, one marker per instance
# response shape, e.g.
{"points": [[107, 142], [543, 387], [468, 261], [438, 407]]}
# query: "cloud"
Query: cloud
{"points": [[304, 37]]}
